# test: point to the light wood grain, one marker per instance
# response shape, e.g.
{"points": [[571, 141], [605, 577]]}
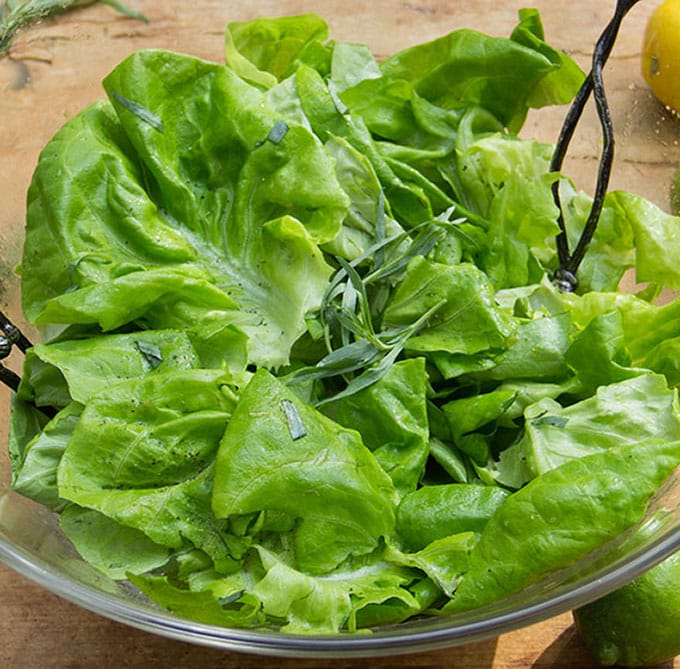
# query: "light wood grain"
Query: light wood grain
{"points": [[55, 70]]}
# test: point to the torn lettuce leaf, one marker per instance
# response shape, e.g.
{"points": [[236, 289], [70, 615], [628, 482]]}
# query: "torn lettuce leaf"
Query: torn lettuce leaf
{"points": [[114, 549], [562, 516], [143, 453], [638, 409], [391, 416], [228, 248], [466, 320], [312, 470]]}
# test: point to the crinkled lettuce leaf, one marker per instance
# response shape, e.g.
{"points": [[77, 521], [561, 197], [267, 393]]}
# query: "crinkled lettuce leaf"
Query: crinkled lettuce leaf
{"points": [[562, 516], [500, 74], [143, 454], [205, 208], [466, 318], [265, 50], [391, 416], [63, 376], [638, 409], [280, 454]]}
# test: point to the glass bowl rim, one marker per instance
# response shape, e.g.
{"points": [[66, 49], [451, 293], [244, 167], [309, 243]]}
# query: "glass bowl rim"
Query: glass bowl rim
{"points": [[430, 634]]}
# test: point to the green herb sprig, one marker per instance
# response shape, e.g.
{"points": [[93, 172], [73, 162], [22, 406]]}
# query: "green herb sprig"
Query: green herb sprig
{"points": [[16, 15], [349, 318]]}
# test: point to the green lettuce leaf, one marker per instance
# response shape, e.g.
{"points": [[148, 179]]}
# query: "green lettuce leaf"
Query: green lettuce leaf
{"points": [[499, 74], [114, 549], [34, 471], [320, 605], [265, 50], [217, 247], [391, 416], [76, 369], [466, 320], [143, 453], [561, 516], [434, 512], [631, 411], [279, 453], [202, 606]]}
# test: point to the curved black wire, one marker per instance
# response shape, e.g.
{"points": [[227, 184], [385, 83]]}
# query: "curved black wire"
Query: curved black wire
{"points": [[565, 276], [10, 335]]}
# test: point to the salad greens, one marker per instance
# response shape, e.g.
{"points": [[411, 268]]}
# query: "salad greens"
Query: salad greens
{"points": [[304, 366]]}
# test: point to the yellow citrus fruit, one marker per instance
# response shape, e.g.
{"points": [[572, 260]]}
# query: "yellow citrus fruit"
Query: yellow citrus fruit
{"points": [[639, 624], [661, 53]]}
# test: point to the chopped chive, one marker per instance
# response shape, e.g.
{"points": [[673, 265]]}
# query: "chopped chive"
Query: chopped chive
{"points": [[151, 353], [278, 132], [139, 111], [230, 599], [296, 427]]}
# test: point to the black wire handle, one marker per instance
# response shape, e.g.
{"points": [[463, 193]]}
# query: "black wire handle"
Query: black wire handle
{"points": [[10, 336], [565, 276]]}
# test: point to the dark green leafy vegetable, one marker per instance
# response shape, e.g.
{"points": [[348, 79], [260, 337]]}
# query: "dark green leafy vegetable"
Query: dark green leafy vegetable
{"points": [[310, 365]]}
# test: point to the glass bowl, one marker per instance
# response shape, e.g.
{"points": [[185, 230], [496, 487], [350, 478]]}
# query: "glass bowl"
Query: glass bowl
{"points": [[55, 69]]}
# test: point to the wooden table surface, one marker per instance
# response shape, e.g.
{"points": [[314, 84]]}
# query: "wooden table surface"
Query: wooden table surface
{"points": [[54, 70]]}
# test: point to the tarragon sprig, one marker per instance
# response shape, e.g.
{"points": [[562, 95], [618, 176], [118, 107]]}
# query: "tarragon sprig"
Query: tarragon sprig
{"points": [[17, 14], [348, 320]]}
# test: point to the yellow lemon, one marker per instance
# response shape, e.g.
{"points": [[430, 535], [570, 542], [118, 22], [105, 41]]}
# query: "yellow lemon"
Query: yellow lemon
{"points": [[661, 53]]}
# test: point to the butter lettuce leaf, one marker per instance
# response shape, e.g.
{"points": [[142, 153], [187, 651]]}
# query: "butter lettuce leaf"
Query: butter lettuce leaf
{"points": [[321, 605], [217, 248], [143, 454], [562, 516], [116, 550], [500, 74], [642, 408], [466, 320], [280, 454], [391, 416], [266, 50]]}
